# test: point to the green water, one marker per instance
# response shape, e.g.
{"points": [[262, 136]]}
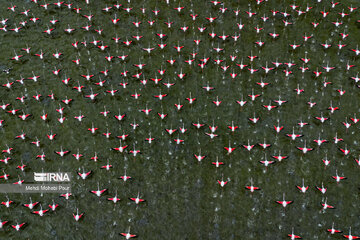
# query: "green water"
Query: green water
{"points": [[183, 198]]}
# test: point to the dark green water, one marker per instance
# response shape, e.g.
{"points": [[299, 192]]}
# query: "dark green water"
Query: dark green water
{"points": [[183, 198]]}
